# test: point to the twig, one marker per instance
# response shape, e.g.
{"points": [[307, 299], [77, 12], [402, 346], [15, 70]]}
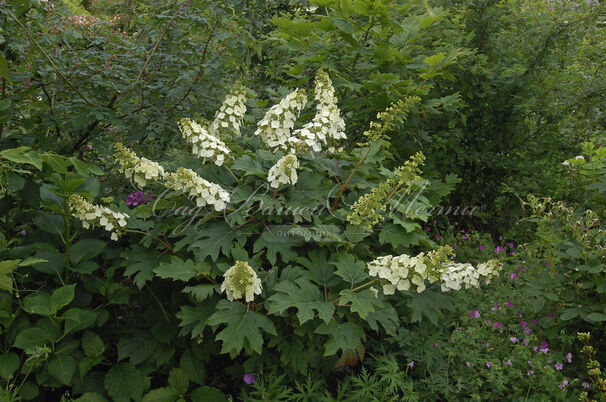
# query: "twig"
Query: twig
{"points": [[29, 36], [152, 53]]}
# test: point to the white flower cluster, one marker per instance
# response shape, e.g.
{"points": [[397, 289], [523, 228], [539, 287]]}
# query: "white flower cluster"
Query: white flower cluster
{"points": [[327, 126], [400, 271], [91, 214], [241, 281], [456, 275], [141, 170], [205, 192], [229, 116], [403, 270], [204, 144], [284, 171], [279, 120]]}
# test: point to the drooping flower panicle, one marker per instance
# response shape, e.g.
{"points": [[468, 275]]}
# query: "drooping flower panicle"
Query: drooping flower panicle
{"points": [[367, 210], [141, 170], [204, 144], [203, 191], [91, 214], [241, 282], [401, 271]]}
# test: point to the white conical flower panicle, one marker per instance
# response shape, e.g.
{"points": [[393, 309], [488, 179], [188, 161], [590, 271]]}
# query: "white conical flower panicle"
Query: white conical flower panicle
{"points": [[204, 144], [141, 170], [241, 282], [228, 118], [91, 214], [328, 112], [203, 191], [284, 171], [276, 126], [327, 127]]}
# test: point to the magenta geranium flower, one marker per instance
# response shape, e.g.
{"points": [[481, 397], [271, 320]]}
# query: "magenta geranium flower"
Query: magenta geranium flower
{"points": [[488, 364], [559, 366], [249, 378], [513, 276], [475, 314], [482, 248], [498, 249], [523, 324], [509, 304], [513, 339]]}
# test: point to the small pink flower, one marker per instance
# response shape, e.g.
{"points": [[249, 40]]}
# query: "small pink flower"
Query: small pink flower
{"points": [[525, 341], [475, 314], [498, 249], [438, 236], [496, 325], [429, 229], [529, 372], [523, 324], [482, 248], [569, 357], [454, 247], [547, 263], [513, 276], [513, 339], [509, 304], [467, 364], [411, 365], [559, 366], [487, 321], [509, 363], [511, 244], [488, 364]]}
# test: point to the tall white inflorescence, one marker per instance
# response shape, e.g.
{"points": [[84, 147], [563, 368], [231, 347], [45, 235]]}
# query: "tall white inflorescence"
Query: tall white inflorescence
{"points": [[203, 191], [275, 128]]}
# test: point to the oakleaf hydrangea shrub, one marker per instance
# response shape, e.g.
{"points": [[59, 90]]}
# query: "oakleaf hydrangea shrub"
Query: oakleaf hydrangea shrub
{"points": [[288, 249]]}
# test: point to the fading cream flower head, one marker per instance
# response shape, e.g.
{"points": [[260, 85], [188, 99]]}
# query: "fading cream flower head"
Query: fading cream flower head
{"points": [[241, 281], [91, 214], [279, 120], [284, 171], [142, 170]]}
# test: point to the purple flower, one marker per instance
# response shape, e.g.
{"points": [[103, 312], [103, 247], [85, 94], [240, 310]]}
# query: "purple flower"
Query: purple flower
{"points": [[454, 247], [513, 339], [498, 249], [569, 357], [138, 198], [464, 237], [511, 244], [488, 364], [559, 366], [564, 384], [509, 363], [544, 347], [586, 385], [487, 321], [429, 229], [547, 263], [495, 307], [467, 364], [89, 146], [23, 232], [496, 325], [475, 314], [509, 304], [411, 365], [513, 276], [482, 248], [529, 372], [438, 236], [525, 341], [249, 378], [523, 324]]}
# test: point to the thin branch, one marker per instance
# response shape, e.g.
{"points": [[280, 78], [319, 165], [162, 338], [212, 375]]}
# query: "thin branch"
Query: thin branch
{"points": [[152, 52], [31, 38]]}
